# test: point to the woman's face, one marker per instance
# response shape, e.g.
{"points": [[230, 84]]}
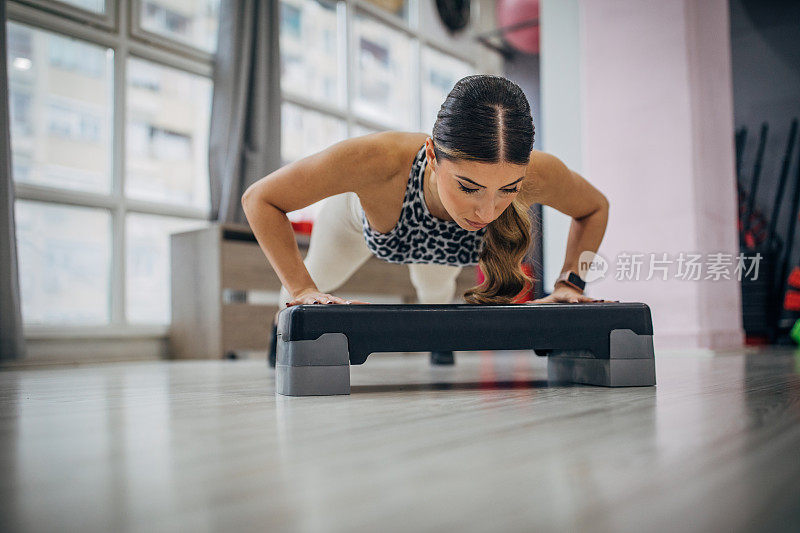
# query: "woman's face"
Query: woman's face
{"points": [[476, 192]]}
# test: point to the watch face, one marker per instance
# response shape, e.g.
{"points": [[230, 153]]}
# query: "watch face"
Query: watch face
{"points": [[576, 280]]}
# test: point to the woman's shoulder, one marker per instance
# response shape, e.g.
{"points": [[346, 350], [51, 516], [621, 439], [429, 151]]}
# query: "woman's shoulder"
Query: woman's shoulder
{"points": [[544, 163], [399, 143], [543, 169], [399, 148]]}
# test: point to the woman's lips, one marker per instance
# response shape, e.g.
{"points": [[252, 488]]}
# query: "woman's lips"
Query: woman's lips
{"points": [[473, 224]]}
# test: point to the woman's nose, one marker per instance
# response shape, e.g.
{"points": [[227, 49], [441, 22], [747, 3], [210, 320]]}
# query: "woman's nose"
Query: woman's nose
{"points": [[485, 212]]}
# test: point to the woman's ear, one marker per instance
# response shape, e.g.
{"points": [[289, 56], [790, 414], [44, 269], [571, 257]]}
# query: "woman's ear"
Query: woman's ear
{"points": [[431, 155]]}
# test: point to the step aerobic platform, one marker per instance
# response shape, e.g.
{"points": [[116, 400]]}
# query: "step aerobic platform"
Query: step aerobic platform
{"points": [[596, 343]]}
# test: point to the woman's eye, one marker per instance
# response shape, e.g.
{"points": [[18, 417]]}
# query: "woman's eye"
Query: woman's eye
{"points": [[470, 191]]}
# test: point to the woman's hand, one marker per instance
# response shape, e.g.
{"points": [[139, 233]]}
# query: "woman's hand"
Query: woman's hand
{"points": [[564, 293], [316, 297]]}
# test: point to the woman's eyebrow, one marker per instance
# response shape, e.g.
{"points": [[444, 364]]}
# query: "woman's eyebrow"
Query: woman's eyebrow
{"points": [[479, 185]]}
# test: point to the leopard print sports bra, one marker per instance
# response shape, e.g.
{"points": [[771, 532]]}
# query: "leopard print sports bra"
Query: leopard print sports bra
{"points": [[419, 237]]}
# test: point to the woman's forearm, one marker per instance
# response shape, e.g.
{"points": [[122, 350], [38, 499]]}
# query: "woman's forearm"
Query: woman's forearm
{"points": [[275, 236], [585, 234]]}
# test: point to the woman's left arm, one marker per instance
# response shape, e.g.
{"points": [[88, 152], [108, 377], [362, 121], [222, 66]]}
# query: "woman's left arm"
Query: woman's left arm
{"points": [[550, 182]]}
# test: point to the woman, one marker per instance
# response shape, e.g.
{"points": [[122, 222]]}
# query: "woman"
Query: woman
{"points": [[465, 200]]}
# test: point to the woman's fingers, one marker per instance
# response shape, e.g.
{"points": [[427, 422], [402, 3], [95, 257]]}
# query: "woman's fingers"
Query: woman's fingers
{"points": [[321, 298], [569, 300]]}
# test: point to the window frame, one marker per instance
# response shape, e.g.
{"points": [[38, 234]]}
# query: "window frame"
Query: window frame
{"points": [[162, 41], [113, 33], [107, 21]]}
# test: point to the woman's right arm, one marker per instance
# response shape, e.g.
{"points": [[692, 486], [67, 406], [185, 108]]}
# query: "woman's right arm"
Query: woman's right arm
{"points": [[352, 165]]}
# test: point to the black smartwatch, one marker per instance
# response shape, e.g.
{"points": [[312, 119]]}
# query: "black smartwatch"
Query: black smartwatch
{"points": [[572, 279]]}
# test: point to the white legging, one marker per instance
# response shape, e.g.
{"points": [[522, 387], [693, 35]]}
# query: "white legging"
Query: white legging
{"points": [[337, 250]]}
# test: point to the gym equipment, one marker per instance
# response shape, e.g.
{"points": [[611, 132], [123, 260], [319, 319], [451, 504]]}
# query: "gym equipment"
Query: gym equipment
{"points": [[786, 260], [771, 253], [443, 358], [791, 301], [795, 332], [741, 139], [751, 222], [521, 18], [762, 141], [773, 241], [596, 343], [762, 297]]}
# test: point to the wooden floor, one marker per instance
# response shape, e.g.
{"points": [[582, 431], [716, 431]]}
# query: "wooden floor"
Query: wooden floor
{"points": [[484, 446]]}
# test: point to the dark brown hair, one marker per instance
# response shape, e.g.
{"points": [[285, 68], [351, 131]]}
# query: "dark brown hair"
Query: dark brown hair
{"points": [[488, 119]]}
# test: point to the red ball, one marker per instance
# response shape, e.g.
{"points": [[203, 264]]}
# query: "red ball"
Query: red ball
{"points": [[508, 12]]}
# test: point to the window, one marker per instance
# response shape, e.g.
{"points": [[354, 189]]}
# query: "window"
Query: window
{"points": [[20, 102], [20, 44], [68, 120], [188, 23], [61, 109], [440, 72], [168, 113], [76, 56], [304, 132], [96, 199], [398, 8], [383, 81], [64, 263], [310, 51], [106, 169]]}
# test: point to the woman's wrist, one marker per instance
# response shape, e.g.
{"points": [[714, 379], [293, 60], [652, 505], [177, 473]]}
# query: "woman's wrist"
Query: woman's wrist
{"points": [[301, 292], [564, 285]]}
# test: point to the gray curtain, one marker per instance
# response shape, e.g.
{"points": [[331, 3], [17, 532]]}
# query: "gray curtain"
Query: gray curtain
{"points": [[244, 141], [12, 344]]}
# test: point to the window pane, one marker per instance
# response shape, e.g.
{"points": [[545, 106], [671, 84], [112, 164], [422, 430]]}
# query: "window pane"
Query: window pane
{"points": [[440, 72], [60, 95], [192, 23], [383, 74], [64, 263], [95, 6], [359, 130], [147, 271], [309, 47], [305, 132], [167, 135], [395, 7]]}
